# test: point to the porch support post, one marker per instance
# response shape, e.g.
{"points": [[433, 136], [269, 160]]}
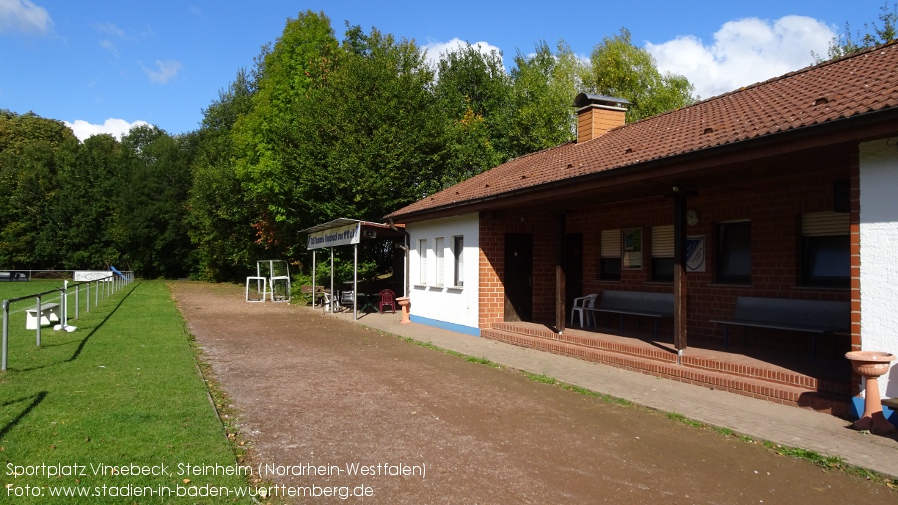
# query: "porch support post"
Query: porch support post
{"points": [[679, 273], [560, 283]]}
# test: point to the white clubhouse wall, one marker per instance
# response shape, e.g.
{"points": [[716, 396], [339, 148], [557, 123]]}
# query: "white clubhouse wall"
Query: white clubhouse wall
{"points": [[879, 253], [452, 307]]}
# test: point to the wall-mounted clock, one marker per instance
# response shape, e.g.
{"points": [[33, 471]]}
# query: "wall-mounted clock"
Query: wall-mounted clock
{"points": [[691, 217]]}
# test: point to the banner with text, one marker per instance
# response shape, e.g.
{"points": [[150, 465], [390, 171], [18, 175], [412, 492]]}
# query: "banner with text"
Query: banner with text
{"points": [[343, 235], [92, 275]]}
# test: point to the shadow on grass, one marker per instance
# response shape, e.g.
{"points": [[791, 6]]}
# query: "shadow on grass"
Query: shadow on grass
{"points": [[87, 337], [97, 327], [35, 401]]}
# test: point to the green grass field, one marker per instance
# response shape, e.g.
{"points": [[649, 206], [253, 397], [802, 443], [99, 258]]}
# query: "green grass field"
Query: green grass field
{"points": [[93, 410], [13, 290]]}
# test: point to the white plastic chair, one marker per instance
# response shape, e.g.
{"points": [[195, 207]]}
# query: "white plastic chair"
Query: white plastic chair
{"points": [[580, 307], [326, 300]]}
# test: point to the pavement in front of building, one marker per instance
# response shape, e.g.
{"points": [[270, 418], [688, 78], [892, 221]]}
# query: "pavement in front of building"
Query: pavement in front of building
{"points": [[759, 419]]}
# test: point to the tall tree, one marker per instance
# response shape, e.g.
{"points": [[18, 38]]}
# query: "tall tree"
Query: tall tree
{"points": [[301, 57], [474, 93], [620, 69], [544, 87], [90, 181], [371, 133], [150, 224], [31, 148], [220, 214]]}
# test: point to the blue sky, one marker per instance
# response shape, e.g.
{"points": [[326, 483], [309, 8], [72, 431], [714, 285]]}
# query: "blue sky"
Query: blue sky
{"points": [[102, 66]]}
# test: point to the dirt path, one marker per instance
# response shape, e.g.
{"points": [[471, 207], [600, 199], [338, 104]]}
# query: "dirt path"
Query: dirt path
{"points": [[316, 391]]}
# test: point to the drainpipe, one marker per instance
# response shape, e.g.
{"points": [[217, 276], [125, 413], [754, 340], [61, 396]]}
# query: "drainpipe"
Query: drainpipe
{"points": [[405, 248]]}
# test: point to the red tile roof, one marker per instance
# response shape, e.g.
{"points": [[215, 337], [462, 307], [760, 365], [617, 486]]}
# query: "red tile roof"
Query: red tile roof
{"points": [[859, 84]]}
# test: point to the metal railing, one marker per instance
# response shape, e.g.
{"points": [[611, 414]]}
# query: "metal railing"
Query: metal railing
{"points": [[103, 288]]}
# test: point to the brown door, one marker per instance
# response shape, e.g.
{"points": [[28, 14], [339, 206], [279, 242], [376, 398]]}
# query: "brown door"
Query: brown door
{"points": [[573, 269], [518, 279]]}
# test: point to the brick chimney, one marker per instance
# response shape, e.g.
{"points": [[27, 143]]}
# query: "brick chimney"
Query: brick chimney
{"points": [[596, 114]]}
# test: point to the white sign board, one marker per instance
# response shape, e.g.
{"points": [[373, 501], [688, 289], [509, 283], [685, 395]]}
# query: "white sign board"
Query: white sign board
{"points": [[92, 275], [343, 235]]}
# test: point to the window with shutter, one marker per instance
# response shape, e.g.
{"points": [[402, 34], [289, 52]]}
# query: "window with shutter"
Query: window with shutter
{"points": [[609, 255]]}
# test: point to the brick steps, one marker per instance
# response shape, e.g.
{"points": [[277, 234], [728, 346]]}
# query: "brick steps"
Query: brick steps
{"points": [[777, 386]]}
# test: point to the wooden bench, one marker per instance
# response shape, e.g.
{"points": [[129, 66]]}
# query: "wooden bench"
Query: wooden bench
{"points": [[815, 317], [636, 303], [49, 315]]}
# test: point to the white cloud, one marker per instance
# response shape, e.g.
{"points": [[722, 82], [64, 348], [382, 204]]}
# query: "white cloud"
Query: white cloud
{"points": [[167, 71], [435, 49], [24, 16], [116, 127], [110, 29], [744, 52]]}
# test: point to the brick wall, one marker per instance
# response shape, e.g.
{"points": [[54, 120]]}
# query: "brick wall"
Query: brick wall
{"points": [[774, 210]]}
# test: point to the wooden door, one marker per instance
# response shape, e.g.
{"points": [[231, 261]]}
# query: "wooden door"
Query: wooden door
{"points": [[518, 279]]}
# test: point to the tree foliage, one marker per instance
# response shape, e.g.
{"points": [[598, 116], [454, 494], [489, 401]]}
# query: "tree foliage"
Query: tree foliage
{"points": [[156, 178], [473, 92], [220, 214], [620, 69], [315, 130], [31, 151], [300, 58], [545, 85], [847, 43], [86, 206], [370, 133]]}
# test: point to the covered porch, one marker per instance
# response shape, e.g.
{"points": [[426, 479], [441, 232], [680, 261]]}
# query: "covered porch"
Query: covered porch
{"points": [[757, 224]]}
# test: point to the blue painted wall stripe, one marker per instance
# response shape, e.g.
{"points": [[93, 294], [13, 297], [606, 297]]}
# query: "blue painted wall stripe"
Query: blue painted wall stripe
{"points": [[458, 328]]}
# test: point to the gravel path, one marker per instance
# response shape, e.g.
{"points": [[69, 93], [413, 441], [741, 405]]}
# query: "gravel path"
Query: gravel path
{"points": [[333, 408]]}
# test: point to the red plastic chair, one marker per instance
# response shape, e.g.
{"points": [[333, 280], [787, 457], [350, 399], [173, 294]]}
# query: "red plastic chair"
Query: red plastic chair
{"points": [[387, 297]]}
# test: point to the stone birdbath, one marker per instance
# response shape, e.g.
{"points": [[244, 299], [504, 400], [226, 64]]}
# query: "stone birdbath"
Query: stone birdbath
{"points": [[404, 302], [870, 365]]}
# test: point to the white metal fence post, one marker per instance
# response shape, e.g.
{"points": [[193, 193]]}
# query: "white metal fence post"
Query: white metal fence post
{"points": [[5, 333], [38, 320]]}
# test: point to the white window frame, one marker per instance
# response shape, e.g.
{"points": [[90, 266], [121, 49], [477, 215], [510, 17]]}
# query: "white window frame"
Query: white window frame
{"points": [[439, 249], [422, 261], [458, 250]]}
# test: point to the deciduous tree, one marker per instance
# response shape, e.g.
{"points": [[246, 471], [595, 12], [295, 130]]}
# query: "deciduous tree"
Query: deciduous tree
{"points": [[544, 88], [220, 210], [620, 69], [474, 94]]}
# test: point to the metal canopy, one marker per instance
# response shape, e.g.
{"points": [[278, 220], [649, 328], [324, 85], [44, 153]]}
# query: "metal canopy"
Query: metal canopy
{"points": [[366, 230], [343, 221]]}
